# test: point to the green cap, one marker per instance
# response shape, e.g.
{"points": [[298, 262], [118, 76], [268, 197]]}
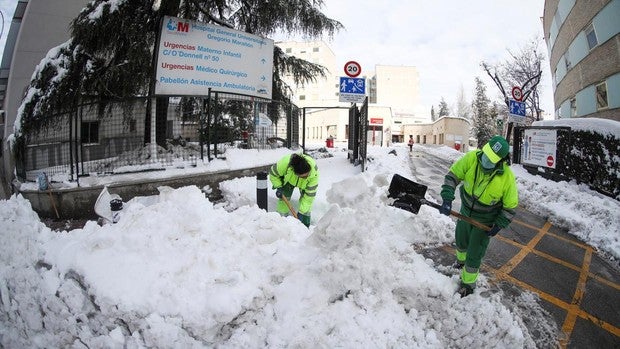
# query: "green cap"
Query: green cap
{"points": [[496, 149]]}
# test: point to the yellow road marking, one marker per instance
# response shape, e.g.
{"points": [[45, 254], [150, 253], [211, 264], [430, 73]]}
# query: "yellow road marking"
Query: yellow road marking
{"points": [[561, 261], [554, 300], [574, 242], [573, 309], [514, 261]]}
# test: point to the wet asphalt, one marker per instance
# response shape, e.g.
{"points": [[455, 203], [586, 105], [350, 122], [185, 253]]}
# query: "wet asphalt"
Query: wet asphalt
{"points": [[577, 288]]}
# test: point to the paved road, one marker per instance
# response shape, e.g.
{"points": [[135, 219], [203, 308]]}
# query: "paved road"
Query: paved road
{"points": [[578, 291]]}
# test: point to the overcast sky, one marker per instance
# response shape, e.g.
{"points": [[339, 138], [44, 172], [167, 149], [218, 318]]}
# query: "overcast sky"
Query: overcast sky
{"points": [[445, 39], [7, 8]]}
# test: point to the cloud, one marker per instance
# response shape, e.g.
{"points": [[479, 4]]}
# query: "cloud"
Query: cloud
{"points": [[445, 40]]}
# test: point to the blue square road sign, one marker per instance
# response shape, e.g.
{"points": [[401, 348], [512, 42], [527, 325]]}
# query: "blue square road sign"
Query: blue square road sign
{"points": [[516, 108]]}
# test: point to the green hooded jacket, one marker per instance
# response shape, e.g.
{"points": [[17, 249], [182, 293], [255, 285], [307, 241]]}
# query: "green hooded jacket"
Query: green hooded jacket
{"points": [[281, 174], [487, 197]]}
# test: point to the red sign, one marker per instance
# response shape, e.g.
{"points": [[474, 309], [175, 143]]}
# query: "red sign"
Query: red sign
{"points": [[517, 94], [378, 121], [352, 69], [550, 160]]}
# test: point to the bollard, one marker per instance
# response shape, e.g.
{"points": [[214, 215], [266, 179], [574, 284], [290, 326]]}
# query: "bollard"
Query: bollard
{"points": [[261, 190], [116, 205]]}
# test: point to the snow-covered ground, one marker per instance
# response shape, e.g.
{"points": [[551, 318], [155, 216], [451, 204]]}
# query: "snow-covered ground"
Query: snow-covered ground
{"points": [[178, 271]]}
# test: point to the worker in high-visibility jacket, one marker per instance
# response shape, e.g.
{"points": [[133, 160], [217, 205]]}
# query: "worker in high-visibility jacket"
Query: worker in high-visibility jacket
{"points": [[488, 195], [291, 171]]}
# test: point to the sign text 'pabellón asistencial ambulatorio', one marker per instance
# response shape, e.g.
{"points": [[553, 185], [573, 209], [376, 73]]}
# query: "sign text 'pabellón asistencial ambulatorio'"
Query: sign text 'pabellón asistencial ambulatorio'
{"points": [[193, 57]]}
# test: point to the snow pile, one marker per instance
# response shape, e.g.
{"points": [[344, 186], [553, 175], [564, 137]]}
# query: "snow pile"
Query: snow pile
{"points": [[180, 271]]}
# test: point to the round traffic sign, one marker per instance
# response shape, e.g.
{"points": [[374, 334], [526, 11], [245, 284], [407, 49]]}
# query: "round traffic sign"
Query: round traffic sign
{"points": [[352, 69], [550, 161], [517, 94]]}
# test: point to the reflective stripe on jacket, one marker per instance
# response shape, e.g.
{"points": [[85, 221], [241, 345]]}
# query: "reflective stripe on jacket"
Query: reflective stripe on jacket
{"points": [[281, 173], [488, 196]]}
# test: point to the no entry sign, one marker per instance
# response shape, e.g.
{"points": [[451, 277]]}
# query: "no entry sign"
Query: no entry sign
{"points": [[352, 69]]}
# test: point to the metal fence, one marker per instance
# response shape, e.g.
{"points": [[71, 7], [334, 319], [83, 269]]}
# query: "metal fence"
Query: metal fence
{"points": [[117, 139]]}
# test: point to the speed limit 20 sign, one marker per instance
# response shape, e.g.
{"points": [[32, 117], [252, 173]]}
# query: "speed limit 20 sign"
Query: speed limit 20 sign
{"points": [[517, 94], [352, 69]]}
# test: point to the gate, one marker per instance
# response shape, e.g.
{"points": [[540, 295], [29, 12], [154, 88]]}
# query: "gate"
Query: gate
{"points": [[358, 136]]}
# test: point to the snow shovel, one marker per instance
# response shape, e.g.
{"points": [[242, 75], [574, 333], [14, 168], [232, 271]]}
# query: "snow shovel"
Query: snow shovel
{"points": [[409, 196], [290, 208], [44, 185]]}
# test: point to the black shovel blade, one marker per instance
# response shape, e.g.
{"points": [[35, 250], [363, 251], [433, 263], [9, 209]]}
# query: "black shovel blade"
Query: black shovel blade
{"points": [[408, 194]]}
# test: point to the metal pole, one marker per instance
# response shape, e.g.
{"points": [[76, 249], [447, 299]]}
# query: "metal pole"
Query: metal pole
{"points": [[261, 190], [303, 130], [153, 145]]}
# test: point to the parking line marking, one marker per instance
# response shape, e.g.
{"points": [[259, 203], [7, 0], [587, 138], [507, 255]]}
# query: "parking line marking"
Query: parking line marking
{"points": [[574, 242], [563, 262], [572, 309], [554, 300], [525, 250]]}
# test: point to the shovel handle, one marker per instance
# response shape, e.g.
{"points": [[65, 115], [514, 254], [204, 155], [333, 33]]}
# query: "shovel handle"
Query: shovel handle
{"points": [[470, 221], [53, 203], [459, 216], [290, 208]]}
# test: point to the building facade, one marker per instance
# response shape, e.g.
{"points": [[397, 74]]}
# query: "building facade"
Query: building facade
{"points": [[583, 39], [449, 131], [36, 27], [319, 98], [393, 93]]}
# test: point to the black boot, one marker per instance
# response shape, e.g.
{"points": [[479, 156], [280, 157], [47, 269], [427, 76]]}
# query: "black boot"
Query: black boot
{"points": [[465, 290], [458, 265]]}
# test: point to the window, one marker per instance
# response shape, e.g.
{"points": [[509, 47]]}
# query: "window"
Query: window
{"points": [[289, 50], [601, 96], [573, 107], [90, 132], [169, 129], [315, 49], [132, 126], [302, 98], [591, 36]]}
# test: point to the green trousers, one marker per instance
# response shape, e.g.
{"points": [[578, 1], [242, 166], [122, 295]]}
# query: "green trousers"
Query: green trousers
{"points": [[471, 246], [281, 208]]}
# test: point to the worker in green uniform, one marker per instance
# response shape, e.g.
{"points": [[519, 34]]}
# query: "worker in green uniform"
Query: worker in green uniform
{"points": [[291, 171], [488, 195]]}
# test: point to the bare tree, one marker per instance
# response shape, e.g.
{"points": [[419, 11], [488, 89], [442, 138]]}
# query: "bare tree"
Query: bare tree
{"points": [[463, 109], [522, 69]]}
